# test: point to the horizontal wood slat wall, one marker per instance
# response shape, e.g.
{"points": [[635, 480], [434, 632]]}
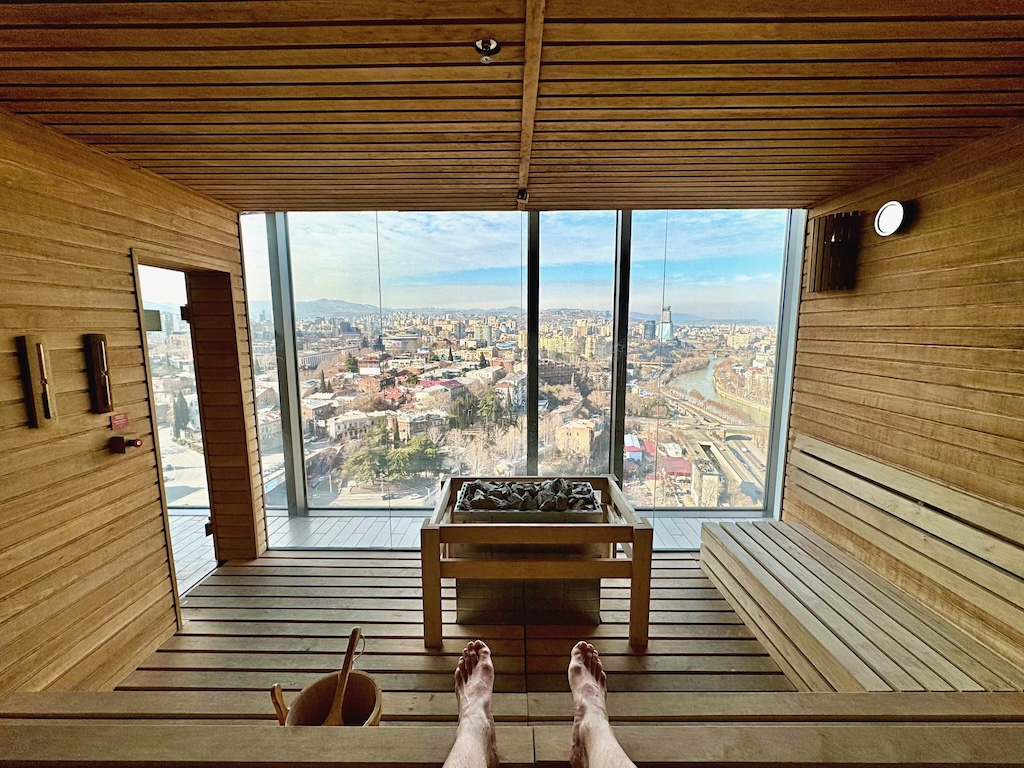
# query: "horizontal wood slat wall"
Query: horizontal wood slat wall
{"points": [[85, 577], [368, 105], [920, 366]]}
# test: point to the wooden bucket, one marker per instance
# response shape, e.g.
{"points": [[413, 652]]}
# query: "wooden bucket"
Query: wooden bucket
{"points": [[361, 706]]}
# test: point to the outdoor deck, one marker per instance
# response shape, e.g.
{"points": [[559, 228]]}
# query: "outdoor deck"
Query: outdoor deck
{"points": [[193, 550], [285, 618]]}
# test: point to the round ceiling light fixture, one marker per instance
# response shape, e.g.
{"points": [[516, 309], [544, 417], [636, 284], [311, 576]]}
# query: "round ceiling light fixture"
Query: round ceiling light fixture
{"points": [[890, 218], [488, 48]]}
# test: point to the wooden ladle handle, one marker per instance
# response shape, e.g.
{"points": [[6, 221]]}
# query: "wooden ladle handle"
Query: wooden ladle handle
{"points": [[277, 696], [334, 716]]}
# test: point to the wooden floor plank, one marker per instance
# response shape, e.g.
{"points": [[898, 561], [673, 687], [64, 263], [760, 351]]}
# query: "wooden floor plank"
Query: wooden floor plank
{"points": [[285, 619]]}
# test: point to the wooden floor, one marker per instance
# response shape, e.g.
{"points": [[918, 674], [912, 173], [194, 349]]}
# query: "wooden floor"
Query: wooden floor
{"points": [[403, 532], [193, 549], [285, 618]]}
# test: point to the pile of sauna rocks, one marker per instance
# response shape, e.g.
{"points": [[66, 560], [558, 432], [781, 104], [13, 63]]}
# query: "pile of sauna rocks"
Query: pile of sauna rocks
{"points": [[544, 495]]}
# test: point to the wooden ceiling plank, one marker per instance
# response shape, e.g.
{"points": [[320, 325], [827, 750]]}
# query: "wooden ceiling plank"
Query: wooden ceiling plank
{"points": [[461, 73], [816, 30], [872, 83], [113, 37], [534, 49], [472, 73], [253, 109], [985, 122], [238, 12], [376, 57], [779, 10], [596, 118], [939, 100], [774, 70], [250, 91], [846, 50]]}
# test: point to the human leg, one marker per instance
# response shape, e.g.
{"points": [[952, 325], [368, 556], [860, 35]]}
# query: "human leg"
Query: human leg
{"points": [[475, 745], [593, 743]]}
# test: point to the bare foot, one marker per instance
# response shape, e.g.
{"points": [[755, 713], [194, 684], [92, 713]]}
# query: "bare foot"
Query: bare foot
{"points": [[589, 686], [474, 686]]}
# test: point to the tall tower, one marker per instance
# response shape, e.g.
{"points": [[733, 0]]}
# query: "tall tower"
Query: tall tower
{"points": [[665, 325]]}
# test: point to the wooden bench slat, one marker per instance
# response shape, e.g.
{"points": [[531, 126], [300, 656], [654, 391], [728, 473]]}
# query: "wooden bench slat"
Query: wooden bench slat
{"points": [[915, 635], [888, 637], [784, 707], [813, 605], [876, 744], [985, 666], [973, 597], [843, 668], [794, 664], [167, 745]]}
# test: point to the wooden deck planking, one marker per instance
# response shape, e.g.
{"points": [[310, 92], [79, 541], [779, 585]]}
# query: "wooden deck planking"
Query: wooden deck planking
{"points": [[285, 617], [193, 550]]}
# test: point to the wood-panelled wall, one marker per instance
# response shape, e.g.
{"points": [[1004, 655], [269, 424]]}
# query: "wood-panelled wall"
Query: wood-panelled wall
{"points": [[85, 579], [921, 366]]}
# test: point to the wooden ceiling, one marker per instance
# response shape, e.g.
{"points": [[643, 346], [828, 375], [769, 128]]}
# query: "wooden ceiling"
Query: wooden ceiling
{"points": [[383, 104]]}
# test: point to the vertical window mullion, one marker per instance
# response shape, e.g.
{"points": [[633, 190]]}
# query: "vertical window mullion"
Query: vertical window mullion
{"points": [[785, 358], [532, 341], [620, 340]]}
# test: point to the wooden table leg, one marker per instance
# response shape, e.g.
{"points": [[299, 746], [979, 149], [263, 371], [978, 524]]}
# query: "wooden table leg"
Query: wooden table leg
{"points": [[640, 587], [430, 570]]}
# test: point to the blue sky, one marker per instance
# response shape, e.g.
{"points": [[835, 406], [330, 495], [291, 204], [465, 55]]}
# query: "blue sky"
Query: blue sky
{"points": [[716, 264]]}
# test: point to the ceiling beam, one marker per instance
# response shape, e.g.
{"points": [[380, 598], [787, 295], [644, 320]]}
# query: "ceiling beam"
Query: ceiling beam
{"points": [[531, 83]]}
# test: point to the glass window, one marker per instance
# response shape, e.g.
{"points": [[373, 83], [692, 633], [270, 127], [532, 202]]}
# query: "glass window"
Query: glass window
{"points": [[410, 335], [705, 288], [577, 291]]}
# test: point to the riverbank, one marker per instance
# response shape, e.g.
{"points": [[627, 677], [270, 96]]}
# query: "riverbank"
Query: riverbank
{"points": [[758, 411]]}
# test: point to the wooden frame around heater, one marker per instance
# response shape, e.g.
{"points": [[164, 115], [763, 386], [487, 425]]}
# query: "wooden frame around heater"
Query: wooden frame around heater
{"points": [[621, 526]]}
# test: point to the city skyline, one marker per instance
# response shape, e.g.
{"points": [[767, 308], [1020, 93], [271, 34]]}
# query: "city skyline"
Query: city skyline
{"points": [[719, 265]]}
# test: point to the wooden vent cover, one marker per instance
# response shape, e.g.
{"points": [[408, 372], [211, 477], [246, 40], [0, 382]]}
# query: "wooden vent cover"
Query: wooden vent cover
{"points": [[833, 260]]}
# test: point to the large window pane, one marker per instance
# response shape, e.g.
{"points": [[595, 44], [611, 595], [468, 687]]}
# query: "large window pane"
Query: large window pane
{"points": [[704, 311], [577, 272], [410, 334]]}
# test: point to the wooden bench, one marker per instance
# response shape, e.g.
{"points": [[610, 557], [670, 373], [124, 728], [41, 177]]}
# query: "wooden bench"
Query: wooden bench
{"points": [[831, 624], [942, 594], [738, 744]]}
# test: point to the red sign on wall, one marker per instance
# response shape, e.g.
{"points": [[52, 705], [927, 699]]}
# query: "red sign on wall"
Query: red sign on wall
{"points": [[119, 421]]}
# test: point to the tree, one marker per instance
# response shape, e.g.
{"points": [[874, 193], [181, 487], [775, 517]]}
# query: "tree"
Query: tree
{"points": [[492, 408], [465, 410], [351, 364], [323, 383], [483, 361], [181, 415], [415, 457], [369, 462]]}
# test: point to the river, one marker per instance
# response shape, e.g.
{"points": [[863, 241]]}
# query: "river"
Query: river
{"points": [[701, 380]]}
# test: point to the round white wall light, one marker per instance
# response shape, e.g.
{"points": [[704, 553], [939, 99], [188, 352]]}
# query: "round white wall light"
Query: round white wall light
{"points": [[889, 218]]}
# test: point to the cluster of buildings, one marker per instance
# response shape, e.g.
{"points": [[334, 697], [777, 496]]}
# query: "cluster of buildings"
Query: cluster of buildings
{"points": [[415, 372]]}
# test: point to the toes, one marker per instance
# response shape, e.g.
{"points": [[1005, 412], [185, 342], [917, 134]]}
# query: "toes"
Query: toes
{"points": [[482, 651], [579, 651]]}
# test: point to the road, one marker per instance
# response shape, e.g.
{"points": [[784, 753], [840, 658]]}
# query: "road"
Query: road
{"points": [[184, 473]]}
